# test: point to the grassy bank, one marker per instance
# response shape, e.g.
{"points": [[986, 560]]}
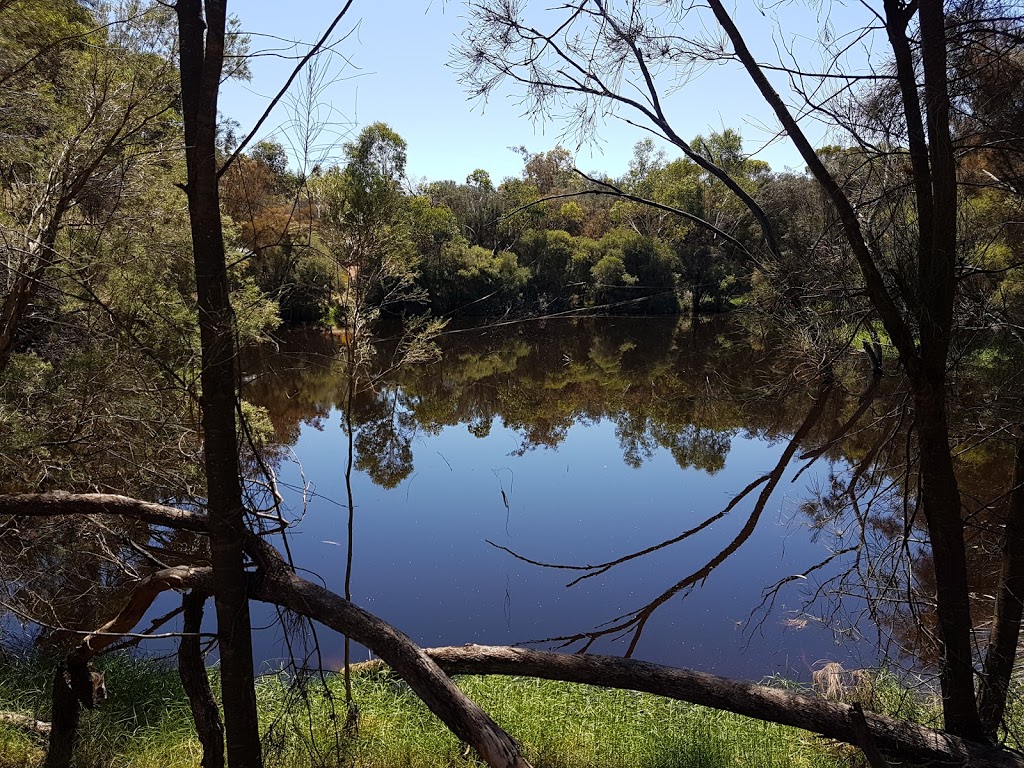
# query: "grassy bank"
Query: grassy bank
{"points": [[146, 723]]}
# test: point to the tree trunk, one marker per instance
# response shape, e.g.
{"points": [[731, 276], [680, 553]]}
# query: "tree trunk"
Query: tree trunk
{"points": [[16, 303], [200, 64], [196, 683], [940, 502], [897, 738], [63, 721], [1005, 636]]}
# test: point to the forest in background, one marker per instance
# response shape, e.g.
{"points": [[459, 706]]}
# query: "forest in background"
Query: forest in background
{"points": [[118, 365]]}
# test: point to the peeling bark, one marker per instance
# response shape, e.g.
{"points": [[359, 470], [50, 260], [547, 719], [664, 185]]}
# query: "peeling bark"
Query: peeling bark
{"points": [[179, 578]]}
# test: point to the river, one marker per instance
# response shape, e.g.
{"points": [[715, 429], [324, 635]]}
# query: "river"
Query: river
{"points": [[486, 483]]}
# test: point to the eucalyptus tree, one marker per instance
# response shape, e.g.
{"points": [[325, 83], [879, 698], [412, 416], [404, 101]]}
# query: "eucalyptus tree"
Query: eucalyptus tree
{"points": [[903, 243]]}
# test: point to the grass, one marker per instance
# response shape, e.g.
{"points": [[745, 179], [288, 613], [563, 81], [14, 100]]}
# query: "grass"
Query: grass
{"points": [[145, 722]]}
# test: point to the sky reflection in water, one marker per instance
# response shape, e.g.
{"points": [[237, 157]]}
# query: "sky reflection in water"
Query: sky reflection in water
{"points": [[423, 562]]}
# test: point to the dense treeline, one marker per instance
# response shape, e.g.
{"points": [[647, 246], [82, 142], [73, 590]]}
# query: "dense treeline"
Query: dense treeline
{"points": [[549, 241], [94, 226], [555, 239], [112, 191]]}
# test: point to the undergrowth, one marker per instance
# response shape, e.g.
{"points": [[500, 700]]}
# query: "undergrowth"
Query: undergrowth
{"points": [[146, 723]]}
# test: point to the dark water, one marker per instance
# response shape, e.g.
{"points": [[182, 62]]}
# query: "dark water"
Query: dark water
{"points": [[568, 443]]}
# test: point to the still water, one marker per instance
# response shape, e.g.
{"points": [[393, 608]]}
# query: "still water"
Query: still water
{"points": [[568, 443]]}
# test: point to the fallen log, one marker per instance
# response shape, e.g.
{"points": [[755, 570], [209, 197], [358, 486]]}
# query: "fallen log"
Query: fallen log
{"points": [[422, 669], [276, 584], [896, 738], [25, 722], [71, 504]]}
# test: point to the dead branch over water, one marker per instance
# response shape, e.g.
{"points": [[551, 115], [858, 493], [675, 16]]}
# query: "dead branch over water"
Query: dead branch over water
{"points": [[427, 670]]}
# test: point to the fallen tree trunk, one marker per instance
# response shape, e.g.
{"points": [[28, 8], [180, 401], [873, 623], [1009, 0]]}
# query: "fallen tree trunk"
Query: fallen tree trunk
{"points": [[422, 669], [59, 504], [896, 738], [276, 584], [74, 682], [25, 722]]}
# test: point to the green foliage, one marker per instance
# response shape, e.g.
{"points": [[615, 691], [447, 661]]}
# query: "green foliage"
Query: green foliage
{"points": [[610, 271], [364, 228], [146, 723], [101, 391], [484, 276], [594, 250]]}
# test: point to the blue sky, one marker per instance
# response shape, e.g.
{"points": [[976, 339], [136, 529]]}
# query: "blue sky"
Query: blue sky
{"points": [[393, 66]]}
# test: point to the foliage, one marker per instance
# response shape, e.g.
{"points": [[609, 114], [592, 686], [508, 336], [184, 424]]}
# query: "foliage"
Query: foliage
{"points": [[146, 722]]}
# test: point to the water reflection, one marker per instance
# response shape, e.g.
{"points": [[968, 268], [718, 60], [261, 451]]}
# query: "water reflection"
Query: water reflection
{"points": [[529, 450], [630, 486]]}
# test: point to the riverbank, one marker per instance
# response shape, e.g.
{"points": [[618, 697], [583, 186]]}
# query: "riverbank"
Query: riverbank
{"points": [[146, 723]]}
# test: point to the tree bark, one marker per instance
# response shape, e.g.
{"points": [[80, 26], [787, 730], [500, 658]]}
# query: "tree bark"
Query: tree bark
{"points": [[1009, 608], [936, 288], [67, 711], [180, 577], [12, 313], [196, 683], [940, 501], [896, 738], [200, 64], [57, 504]]}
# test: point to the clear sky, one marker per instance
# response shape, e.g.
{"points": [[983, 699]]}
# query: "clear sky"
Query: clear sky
{"points": [[393, 65]]}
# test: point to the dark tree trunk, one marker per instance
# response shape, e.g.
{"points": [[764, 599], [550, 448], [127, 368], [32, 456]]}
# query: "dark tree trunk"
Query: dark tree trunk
{"points": [[940, 501], [196, 683], [936, 287], [201, 63], [63, 721], [1002, 648], [74, 685], [31, 271], [11, 314]]}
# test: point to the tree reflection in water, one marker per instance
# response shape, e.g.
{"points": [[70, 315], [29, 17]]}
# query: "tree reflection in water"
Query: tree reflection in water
{"points": [[719, 404], [685, 390]]}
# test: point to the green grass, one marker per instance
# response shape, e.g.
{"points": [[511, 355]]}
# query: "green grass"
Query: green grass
{"points": [[146, 723]]}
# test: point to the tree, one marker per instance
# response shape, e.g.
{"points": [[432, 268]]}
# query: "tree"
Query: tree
{"points": [[201, 40], [202, 45], [271, 213], [78, 97], [364, 223], [599, 57]]}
